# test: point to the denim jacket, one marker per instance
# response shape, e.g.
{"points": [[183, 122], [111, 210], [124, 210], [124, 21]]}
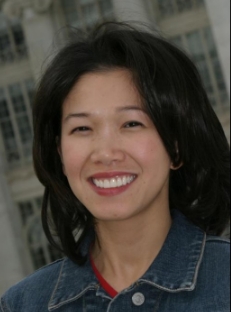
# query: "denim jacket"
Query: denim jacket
{"points": [[191, 273]]}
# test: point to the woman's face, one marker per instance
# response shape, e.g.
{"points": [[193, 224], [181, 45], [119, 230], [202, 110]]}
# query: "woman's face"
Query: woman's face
{"points": [[112, 155]]}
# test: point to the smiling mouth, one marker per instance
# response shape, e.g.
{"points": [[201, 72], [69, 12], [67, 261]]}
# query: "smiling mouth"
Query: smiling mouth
{"points": [[114, 182]]}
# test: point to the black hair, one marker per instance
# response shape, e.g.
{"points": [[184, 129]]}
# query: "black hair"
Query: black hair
{"points": [[175, 100]]}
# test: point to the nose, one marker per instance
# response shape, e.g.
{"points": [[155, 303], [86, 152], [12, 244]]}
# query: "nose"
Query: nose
{"points": [[107, 151]]}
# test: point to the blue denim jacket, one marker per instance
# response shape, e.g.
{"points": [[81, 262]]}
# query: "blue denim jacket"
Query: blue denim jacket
{"points": [[191, 273]]}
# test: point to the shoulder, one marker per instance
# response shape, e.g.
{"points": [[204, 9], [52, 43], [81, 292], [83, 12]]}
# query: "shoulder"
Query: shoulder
{"points": [[214, 273], [217, 256], [216, 260], [34, 290], [218, 240], [217, 250]]}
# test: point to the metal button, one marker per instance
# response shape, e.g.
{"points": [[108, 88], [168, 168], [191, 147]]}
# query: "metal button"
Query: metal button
{"points": [[138, 299]]}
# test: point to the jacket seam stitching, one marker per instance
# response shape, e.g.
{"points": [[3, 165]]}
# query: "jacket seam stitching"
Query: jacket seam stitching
{"points": [[192, 287], [199, 261], [56, 286], [58, 305], [158, 302], [217, 240], [4, 306]]}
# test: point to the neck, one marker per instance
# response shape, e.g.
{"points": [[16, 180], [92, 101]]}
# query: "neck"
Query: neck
{"points": [[124, 250]]}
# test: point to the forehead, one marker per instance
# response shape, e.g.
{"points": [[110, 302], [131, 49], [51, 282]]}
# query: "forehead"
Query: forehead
{"points": [[103, 89]]}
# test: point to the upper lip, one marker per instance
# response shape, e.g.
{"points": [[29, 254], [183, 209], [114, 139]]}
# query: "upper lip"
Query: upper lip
{"points": [[107, 175]]}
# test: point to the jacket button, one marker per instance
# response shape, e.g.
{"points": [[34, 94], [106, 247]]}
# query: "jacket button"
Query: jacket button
{"points": [[138, 299]]}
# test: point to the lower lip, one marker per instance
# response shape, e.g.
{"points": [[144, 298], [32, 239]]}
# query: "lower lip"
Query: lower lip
{"points": [[112, 191]]}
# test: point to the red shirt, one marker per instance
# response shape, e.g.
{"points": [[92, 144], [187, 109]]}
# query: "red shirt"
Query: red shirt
{"points": [[110, 290]]}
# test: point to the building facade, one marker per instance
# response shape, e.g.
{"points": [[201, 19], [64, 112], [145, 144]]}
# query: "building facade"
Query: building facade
{"points": [[30, 33]]}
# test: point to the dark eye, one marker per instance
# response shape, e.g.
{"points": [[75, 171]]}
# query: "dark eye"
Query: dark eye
{"points": [[81, 129], [132, 124]]}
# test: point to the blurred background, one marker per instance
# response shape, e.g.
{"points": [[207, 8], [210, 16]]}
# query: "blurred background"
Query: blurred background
{"points": [[29, 34]]}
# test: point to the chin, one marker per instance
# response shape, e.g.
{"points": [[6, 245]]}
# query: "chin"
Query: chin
{"points": [[112, 216]]}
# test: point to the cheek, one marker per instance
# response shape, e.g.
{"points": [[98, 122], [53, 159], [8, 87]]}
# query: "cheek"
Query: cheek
{"points": [[72, 159], [152, 156], [149, 149]]}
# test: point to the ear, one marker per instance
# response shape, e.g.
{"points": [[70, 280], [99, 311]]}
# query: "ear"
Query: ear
{"points": [[174, 167]]}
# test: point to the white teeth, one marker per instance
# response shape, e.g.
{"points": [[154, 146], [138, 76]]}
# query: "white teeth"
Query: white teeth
{"points": [[124, 181], [119, 182], [113, 182], [106, 183]]}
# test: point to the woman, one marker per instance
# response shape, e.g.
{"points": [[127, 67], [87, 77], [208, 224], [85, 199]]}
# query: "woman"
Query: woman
{"points": [[135, 167]]}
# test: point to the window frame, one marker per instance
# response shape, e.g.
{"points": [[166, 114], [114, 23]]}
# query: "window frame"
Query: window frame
{"points": [[20, 147], [14, 49], [176, 10], [219, 104]]}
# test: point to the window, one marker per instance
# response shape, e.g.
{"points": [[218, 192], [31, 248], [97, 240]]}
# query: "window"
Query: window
{"points": [[12, 42], [86, 13], [201, 47], [15, 120], [40, 250], [21, 117], [8, 133], [173, 7], [215, 64]]}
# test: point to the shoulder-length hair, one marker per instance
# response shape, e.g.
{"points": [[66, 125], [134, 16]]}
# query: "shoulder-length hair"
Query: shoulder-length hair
{"points": [[175, 100]]}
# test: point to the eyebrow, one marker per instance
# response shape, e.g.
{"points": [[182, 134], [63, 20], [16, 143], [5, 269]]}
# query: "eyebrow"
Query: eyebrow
{"points": [[118, 109], [128, 108]]}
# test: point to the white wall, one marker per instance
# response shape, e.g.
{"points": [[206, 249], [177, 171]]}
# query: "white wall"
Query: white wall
{"points": [[219, 13], [39, 34]]}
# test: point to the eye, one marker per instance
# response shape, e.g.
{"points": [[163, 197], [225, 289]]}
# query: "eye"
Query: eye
{"points": [[132, 124], [81, 129]]}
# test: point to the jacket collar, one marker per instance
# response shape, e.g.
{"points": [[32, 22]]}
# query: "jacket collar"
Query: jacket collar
{"points": [[175, 269]]}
